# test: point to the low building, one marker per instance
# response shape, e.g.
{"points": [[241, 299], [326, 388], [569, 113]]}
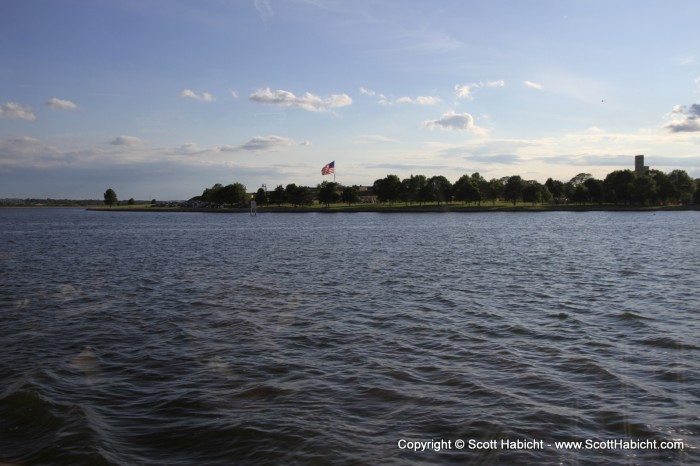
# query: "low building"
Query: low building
{"points": [[366, 194]]}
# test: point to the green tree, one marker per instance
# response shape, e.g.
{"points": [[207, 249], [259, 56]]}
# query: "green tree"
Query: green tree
{"points": [[579, 179], [513, 189], [278, 196], [110, 197], [131, 201], [595, 190], [495, 190], [350, 194], [298, 195], [572, 190], [696, 196], [546, 195], [213, 194], [466, 190], [232, 194], [664, 188], [579, 194], [388, 189], [328, 193], [643, 189], [291, 193], [683, 186], [556, 188], [261, 196], [305, 196], [482, 185], [532, 192], [442, 189], [619, 186], [410, 188], [427, 193], [407, 195]]}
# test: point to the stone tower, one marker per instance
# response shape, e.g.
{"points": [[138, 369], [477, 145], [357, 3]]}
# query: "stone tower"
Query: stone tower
{"points": [[639, 167]]}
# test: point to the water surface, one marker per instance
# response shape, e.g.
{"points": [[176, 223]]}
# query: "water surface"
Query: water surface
{"points": [[193, 338]]}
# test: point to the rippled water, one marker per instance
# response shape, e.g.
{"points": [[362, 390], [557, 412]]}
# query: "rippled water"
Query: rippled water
{"points": [[187, 338]]}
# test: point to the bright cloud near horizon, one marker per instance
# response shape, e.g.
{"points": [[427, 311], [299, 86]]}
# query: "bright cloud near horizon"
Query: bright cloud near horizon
{"points": [[269, 91]]}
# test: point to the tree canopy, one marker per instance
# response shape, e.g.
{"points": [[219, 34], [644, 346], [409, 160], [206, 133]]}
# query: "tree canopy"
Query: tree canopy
{"points": [[388, 189], [513, 189], [466, 190], [261, 196], [328, 193], [350, 195], [110, 197], [619, 187]]}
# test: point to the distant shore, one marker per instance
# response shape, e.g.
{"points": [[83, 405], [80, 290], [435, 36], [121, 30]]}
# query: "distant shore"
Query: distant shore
{"points": [[406, 209]]}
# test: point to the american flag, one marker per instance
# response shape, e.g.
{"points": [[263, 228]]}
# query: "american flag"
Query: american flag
{"points": [[328, 169]]}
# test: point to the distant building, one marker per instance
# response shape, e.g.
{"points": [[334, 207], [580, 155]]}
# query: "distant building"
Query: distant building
{"points": [[366, 194], [639, 167]]}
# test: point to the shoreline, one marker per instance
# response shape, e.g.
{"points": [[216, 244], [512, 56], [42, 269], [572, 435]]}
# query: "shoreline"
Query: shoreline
{"points": [[406, 209]]}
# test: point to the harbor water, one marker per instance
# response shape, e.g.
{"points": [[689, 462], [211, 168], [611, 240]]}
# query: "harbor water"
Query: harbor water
{"points": [[350, 338]]}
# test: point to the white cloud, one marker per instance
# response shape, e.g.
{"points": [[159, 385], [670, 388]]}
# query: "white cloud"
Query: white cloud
{"points": [[126, 141], [187, 149], [464, 91], [265, 143], [16, 111], [264, 10], [204, 96], [455, 121], [60, 104], [365, 91], [24, 151], [24, 140], [374, 138], [533, 85], [234, 94], [308, 101], [499, 83], [594, 130], [420, 100], [427, 100], [684, 119]]}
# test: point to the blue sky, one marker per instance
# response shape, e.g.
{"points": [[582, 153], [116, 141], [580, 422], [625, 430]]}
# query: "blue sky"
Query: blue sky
{"points": [[162, 98]]}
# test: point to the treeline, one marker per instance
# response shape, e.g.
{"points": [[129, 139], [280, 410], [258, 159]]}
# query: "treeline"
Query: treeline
{"points": [[48, 202], [232, 194], [326, 193], [619, 187], [653, 187], [236, 194]]}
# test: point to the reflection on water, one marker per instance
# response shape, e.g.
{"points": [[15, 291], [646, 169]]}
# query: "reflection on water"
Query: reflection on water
{"points": [[316, 339]]}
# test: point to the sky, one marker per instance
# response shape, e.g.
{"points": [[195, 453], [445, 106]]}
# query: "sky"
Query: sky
{"points": [[163, 98]]}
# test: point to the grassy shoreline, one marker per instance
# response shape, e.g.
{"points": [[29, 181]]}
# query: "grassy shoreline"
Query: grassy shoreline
{"points": [[396, 208]]}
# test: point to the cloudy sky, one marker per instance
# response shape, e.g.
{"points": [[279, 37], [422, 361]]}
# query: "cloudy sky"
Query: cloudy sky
{"points": [[162, 98]]}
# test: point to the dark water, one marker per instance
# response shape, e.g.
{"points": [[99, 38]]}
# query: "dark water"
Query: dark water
{"points": [[188, 339]]}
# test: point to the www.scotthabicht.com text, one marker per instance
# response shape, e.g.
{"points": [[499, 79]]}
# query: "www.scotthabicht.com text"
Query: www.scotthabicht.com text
{"points": [[521, 444]]}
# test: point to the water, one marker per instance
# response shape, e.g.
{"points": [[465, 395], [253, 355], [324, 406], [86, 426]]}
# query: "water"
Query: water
{"points": [[188, 338]]}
